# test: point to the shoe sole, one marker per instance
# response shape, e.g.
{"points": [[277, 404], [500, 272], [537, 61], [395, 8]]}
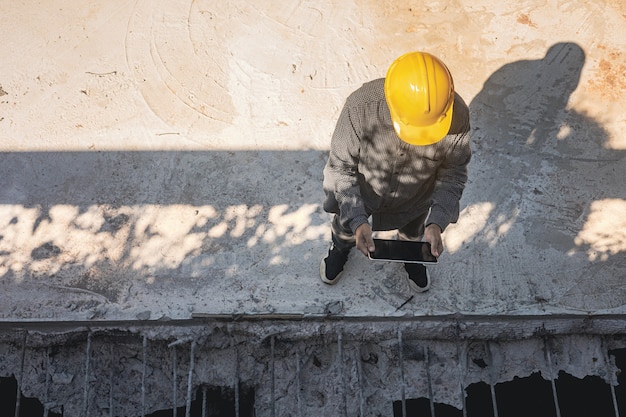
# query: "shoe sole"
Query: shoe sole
{"points": [[416, 287], [323, 275]]}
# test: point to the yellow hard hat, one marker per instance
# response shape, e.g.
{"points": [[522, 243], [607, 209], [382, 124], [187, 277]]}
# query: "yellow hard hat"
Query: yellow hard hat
{"points": [[420, 94]]}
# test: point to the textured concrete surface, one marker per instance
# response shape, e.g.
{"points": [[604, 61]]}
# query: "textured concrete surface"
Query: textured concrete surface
{"points": [[312, 372], [164, 159]]}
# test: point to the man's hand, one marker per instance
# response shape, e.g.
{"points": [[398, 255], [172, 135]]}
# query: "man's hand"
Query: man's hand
{"points": [[432, 235], [364, 240]]}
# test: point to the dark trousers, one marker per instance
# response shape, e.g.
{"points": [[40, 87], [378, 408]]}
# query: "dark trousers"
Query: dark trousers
{"points": [[344, 239]]}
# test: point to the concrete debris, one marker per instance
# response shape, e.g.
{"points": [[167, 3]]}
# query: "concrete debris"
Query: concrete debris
{"points": [[87, 369]]}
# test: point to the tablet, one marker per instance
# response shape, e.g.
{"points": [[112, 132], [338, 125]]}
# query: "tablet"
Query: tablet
{"points": [[402, 251]]}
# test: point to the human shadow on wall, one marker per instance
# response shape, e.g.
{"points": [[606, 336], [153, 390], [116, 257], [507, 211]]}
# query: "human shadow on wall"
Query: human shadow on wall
{"points": [[539, 168]]}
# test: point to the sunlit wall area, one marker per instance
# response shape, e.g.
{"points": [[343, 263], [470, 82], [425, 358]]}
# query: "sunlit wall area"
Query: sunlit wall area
{"points": [[159, 149]]}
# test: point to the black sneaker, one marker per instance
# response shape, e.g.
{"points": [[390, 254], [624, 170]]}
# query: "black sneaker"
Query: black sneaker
{"points": [[331, 266], [419, 279]]}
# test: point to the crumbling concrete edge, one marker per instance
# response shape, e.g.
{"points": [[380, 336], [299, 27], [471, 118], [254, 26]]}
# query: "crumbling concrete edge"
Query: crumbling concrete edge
{"points": [[297, 327], [278, 354]]}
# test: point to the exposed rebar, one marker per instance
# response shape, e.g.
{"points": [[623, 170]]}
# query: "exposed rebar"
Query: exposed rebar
{"points": [[614, 397], [402, 382], [552, 379], [298, 384], [352, 377], [204, 410], [342, 378], [144, 358], [174, 382], [359, 371], [610, 374], [86, 385], [461, 354], [111, 372], [236, 378], [492, 378], [18, 395], [272, 387], [47, 387], [192, 364], [430, 381]]}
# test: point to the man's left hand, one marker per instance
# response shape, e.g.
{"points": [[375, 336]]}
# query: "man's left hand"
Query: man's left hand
{"points": [[432, 235]]}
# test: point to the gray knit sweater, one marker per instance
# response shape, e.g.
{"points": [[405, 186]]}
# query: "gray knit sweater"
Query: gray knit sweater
{"points": [[370, 171]]}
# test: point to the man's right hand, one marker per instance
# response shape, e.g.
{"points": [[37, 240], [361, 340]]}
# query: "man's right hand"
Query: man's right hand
{"points": [[364, 240]]}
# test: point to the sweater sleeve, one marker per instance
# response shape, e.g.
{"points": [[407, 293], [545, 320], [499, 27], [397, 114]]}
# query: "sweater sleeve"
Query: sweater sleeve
{"points": [[450, 183], [343, 169]]}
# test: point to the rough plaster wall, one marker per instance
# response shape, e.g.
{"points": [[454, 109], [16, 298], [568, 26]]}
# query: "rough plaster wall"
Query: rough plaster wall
{"points": [[324, 374]]}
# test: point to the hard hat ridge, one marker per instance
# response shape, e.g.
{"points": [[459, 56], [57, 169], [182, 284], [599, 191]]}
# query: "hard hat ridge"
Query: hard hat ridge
{"points": [[420, 93]]}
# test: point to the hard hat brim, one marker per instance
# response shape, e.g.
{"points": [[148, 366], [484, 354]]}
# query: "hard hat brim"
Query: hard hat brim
{"points": [[423, 135]]}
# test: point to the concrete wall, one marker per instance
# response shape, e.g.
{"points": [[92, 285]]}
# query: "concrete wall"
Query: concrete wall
{"points": [[296, 368]]}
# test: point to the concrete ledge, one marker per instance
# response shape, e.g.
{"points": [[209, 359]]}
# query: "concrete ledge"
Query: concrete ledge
{"points": [[290, 327]]}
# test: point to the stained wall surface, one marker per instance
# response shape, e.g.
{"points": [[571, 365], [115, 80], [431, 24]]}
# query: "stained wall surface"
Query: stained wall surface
{"points": [[163, 159]]}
